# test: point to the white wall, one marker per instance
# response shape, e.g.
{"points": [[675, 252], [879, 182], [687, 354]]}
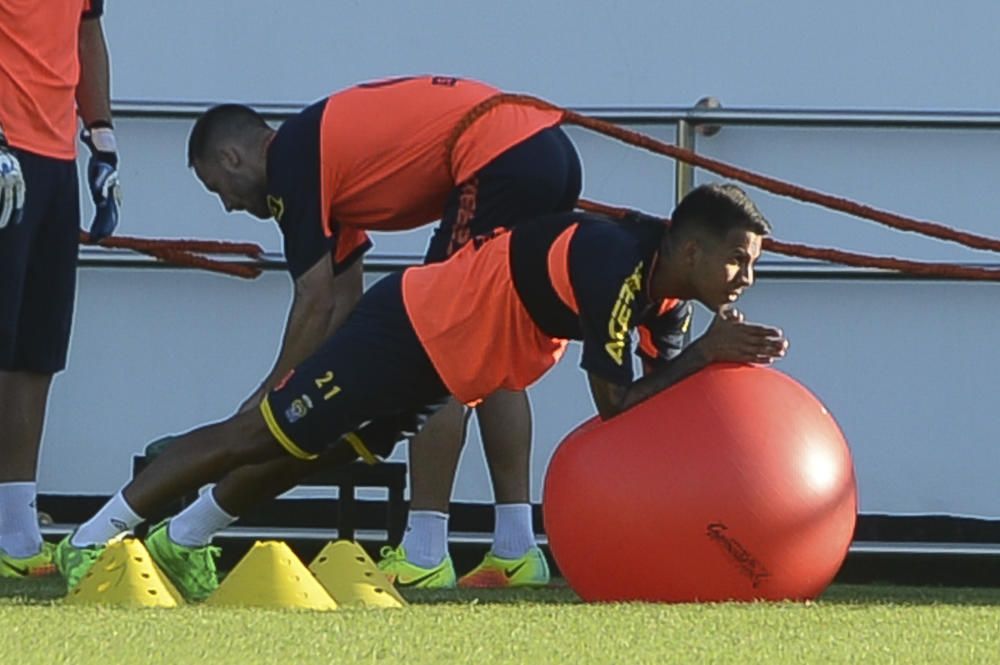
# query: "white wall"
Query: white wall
{"points": [[907, 367], [850, 53]]}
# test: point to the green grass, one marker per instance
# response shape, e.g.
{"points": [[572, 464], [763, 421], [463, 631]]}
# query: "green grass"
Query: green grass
{"points": [[848, 624]]}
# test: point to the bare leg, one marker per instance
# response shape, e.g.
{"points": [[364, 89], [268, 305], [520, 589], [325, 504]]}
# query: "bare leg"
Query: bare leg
{"points": [[434, 454], [23, 397], [247, 486], [200, 457], [505, 425]]}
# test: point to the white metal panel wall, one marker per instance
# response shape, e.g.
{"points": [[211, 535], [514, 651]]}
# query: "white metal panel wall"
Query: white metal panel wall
{"points": [[845, 54], [905, 366]]}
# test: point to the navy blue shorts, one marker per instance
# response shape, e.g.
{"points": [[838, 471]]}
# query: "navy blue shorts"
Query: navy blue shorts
{"points": [[371, 381], [38, 260], [539, 176]]}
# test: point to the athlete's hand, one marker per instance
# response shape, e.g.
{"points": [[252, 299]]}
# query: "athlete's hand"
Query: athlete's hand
{"points": [[102, 177], [11, 185], [731, 339]]}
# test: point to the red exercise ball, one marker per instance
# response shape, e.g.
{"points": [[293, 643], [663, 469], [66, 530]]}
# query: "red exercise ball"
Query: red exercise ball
{"points": [[734, 484]]}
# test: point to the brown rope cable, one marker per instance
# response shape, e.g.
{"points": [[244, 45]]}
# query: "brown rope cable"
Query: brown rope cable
{"points": [[180, 251], [945, 270], [248, 249], [766, 183], [183, 252], [182, 258], [604, 208]]}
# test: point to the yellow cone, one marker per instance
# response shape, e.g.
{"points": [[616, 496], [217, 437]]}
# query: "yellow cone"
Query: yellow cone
{"points": [[270, 575], [125, 574], [352, 578]]}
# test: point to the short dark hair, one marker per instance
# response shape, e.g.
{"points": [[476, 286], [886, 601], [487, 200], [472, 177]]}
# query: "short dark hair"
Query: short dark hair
{"points": [[225, 121], [717, 209]]}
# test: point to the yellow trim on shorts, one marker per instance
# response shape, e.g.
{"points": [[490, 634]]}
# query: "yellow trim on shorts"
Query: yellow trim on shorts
{"points": [[280, 436], [360, 448]]}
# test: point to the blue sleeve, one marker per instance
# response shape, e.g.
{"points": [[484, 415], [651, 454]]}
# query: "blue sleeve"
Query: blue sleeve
{"points": [[607, 273], [294, 189], [662, 336]]}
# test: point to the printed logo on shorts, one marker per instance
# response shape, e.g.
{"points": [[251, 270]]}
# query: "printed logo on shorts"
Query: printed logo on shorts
{"points": [[298, 409]]}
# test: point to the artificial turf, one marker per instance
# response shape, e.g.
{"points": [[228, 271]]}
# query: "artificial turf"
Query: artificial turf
{"points": [[847, 624]]}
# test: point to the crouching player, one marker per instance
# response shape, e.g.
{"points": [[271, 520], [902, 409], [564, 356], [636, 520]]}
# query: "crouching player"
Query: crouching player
{"points": [[498, 314]]}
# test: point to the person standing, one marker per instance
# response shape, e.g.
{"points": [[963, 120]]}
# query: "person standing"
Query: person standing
{"points": [[53, 68]]}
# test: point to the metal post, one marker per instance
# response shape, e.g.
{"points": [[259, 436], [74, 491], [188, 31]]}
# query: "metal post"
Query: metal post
{"points": [[683, 173]]}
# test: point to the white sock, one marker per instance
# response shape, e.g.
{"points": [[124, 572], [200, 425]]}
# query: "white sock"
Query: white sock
{"points": [[426, 538], [19, 534], [198, 523], [114, 518], [513, 533]]}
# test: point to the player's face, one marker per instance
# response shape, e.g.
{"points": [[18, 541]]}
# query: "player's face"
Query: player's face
{"points": [[724, 268], [235, 188]]}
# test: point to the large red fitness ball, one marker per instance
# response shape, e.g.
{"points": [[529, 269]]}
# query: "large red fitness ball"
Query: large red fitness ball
{"points": [[734, 484]]}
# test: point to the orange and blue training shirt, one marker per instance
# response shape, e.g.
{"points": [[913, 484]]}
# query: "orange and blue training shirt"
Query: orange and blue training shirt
{"points": [[39, 72], [498, 314], [374, 157]]}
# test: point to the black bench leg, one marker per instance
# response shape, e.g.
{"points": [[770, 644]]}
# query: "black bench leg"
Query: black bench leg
{"points": [[347, 512]]}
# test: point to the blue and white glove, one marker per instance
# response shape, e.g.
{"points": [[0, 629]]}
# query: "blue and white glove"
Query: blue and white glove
{"points": [[102, 178], [11, 184]]}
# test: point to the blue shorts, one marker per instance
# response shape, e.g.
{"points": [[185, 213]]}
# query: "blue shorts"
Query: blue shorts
{"points": [[539, 176], [371, 381], [38, 260]]}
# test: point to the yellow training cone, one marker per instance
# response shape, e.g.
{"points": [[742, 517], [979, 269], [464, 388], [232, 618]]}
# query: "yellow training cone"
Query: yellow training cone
{"points": [[352, 578], [125, 574], [270, 575]]}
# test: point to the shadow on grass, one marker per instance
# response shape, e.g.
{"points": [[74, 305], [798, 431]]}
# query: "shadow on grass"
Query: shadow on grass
{"points": [[838, 594], [45, 590], [41, 590], [883, 594], [555, 594]]}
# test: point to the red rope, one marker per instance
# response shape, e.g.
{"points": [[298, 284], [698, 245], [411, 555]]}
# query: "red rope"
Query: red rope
{"points": [[946, 270], [766, 183], [182, 258], [183, 252], [203, 246]]}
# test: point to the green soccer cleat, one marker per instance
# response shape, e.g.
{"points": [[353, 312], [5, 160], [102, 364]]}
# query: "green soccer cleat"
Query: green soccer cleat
{"points": [[406, 575], [191, 569], [36, 565], [530, 570], [73, 562]]}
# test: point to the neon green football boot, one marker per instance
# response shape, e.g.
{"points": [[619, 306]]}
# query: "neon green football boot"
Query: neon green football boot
{"points": [[530, 570], [405, 575], [191, 569], [36, 565], [73, 562]]}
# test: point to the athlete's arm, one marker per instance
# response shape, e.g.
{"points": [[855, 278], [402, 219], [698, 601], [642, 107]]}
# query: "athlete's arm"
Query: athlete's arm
{"points": [[93, 96], [611, 398], [728, 339], [320, 305]]}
